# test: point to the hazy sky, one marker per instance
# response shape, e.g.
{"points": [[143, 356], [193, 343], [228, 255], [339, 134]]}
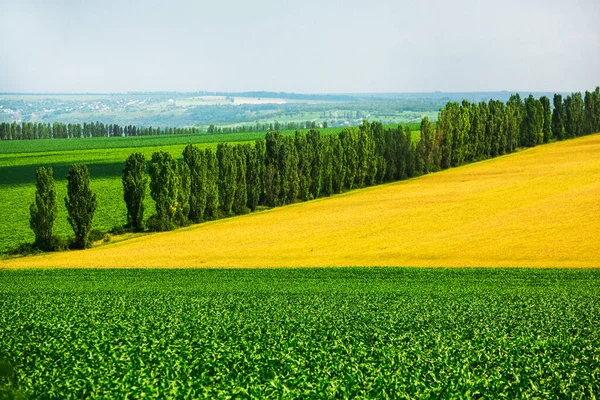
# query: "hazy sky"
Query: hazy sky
{"points": [[304, 46]]}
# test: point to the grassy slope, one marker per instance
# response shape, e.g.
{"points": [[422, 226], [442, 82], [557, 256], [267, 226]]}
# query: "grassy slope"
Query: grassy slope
{"points": [[538, 207], [104, 157], [302, 333]]}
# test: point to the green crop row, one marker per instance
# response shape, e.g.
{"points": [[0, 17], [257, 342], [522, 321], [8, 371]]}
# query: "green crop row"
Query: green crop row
{"points": [[297, 333]]}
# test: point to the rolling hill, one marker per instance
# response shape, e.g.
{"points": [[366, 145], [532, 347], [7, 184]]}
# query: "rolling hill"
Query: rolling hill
{"points": [[536, 208]]}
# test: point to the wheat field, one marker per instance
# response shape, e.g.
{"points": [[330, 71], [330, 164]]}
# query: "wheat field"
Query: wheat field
{"points": [[536, 208]]}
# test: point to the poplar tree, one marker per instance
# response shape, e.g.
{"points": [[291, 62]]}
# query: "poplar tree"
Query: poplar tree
{"points": [[165, 186], [338, 164], [596, 110], [43, 210], [196, 162], [252, 177], [227, 177], [574, 111], [390, 154], [533, 122], [328, 167], [304, 165], [290, 183], [446, 122], [261, 153], [182, 210], [134, 190], [272, 178], [315, 146], [426, 145], [212, 185], [349, 142], [81, 204], [367, 167], [547, 115], [240, 197], [495, 127]]}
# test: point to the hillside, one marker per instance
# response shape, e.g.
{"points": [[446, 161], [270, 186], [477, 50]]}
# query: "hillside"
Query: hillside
{"points": [[536, 208], [104, 157]]}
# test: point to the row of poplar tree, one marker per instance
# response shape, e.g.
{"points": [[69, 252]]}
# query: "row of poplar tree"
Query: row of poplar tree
{"points": [[278, 170], [58, 130], [272, 126]]}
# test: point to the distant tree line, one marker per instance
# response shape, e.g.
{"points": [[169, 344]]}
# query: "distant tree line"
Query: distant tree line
{"points": [[237, 179], [58, 130], [272, 126]]}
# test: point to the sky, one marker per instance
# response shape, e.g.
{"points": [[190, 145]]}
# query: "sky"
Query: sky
{"points": [[301, 46]]}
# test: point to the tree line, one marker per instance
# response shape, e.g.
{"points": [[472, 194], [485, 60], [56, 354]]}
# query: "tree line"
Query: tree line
{"points": [[272, 126], [236, 179], [58, 130]]}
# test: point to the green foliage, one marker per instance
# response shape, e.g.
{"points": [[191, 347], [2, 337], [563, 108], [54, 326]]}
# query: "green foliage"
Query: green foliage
{"points": [[591, 119], [305, 156], [446, 122], [272, 179], [240, 197], [212, 185], [547, 127], [288, 165], [328, 161], [81, 205], [316, 156], [134, 189], [533, 122], [427, 147], [227, 177], [43, 210], [593, 111], [197, 164], [511, 126], [254, 168], [367, 162], [574, 115], [558, 118], [349, 143], [295, 333], [182, 210], [338, 164], [165, 187]]}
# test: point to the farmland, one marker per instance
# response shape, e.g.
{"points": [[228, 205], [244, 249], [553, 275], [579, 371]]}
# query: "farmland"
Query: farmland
{"points": [[104, 157], [354, 332], [534, 208]]}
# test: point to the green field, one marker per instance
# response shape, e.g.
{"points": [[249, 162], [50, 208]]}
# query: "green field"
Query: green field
{"points": [[51, 145], [104, 158], [337, 333]]}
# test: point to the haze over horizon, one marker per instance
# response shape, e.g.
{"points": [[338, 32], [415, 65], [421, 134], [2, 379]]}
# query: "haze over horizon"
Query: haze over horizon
{"points": [[300, 46]]}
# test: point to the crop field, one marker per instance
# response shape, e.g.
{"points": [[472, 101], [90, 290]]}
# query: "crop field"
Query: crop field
{"points": [[104, 157], [53, 145], [536, 208], [293, 333]]}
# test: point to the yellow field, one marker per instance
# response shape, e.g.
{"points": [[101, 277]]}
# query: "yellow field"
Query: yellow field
{"points": [[537, 208]]}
